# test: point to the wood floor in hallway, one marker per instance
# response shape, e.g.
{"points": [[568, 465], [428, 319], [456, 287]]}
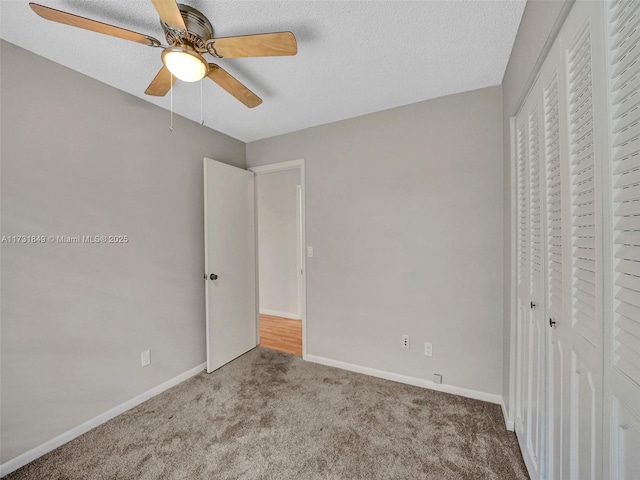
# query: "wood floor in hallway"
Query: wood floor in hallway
{"points": [[282, 334]]}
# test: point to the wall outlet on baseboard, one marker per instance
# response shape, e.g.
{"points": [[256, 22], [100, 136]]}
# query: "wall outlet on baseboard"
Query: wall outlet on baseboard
{"points": [[428, 349], [437, 378], [146, 358], [405, 341]]}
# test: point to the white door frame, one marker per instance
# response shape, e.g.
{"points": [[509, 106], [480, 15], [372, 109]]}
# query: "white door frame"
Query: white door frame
{"points": [[302, 294]]}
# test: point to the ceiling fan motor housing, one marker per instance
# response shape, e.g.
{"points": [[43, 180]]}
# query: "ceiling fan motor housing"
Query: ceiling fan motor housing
{"points": [[199, 29]]}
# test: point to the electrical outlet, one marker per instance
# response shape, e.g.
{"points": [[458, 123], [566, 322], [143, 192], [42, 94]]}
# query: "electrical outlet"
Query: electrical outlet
{"points": [[146, 358], [405, 341], [437, 378], [310, 252], [428, 349]]}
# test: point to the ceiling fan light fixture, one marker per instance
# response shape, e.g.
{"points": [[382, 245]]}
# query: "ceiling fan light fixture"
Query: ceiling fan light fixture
{"points": [[185, 64]]}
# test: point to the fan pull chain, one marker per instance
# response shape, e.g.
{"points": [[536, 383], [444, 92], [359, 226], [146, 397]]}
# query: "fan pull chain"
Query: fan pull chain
{"points": [[171, 96], [201, 116]]}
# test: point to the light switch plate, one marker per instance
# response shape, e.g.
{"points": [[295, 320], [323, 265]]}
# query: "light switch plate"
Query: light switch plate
{"points": [[309, 252], [146, 358]]}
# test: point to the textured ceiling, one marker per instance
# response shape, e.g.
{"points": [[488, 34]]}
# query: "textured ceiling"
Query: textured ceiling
{"points": [[354, 57]]}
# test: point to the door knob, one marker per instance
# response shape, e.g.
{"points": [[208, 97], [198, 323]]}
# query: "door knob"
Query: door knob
{"points": [[533, 305], [552, 322], [213, 276]]}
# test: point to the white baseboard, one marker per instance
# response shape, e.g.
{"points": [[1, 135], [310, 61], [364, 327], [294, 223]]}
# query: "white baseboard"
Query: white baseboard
{"points": [[507, 422], [275, 313], [396, 377], [21, 460]]}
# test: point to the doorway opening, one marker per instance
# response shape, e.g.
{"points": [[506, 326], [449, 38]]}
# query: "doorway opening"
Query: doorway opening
{"points": [[281, 279]]}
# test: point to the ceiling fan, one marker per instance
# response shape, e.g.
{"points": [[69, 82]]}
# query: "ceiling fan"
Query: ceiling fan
{"points": [[189, 35]]}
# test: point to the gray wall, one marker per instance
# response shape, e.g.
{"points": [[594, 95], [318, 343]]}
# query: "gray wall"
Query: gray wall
{"points": [[82, 158], [405, 214], [539, 26], [278, 241]]}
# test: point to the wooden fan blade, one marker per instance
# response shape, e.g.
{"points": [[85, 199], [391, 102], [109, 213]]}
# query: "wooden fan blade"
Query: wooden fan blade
{"points": [[93, 25], [161, 84], [261, 45], [169, 13], [233, 86]]}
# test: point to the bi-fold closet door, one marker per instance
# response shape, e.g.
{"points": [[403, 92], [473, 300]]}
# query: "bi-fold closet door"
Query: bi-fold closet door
{"points": [[530, 330], [621, 435], [577, 151]]}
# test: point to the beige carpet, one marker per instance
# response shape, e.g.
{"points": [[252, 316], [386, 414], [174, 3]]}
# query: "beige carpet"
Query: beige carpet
{"points": [[270, 415]]}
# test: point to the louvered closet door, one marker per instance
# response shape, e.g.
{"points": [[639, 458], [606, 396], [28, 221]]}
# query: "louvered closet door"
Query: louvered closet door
{"points": [[579, 250], [530, 411], [622, 326], [523, 308], [536, 373], [558, 266], [580, 45]]}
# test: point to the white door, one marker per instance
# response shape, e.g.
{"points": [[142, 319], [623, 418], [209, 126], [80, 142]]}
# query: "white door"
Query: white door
{"points": [[580, 48], [530, 325], [588, 101], [536, 371], [523, 307], [558, 268], [622, 318], [230, 262]]}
